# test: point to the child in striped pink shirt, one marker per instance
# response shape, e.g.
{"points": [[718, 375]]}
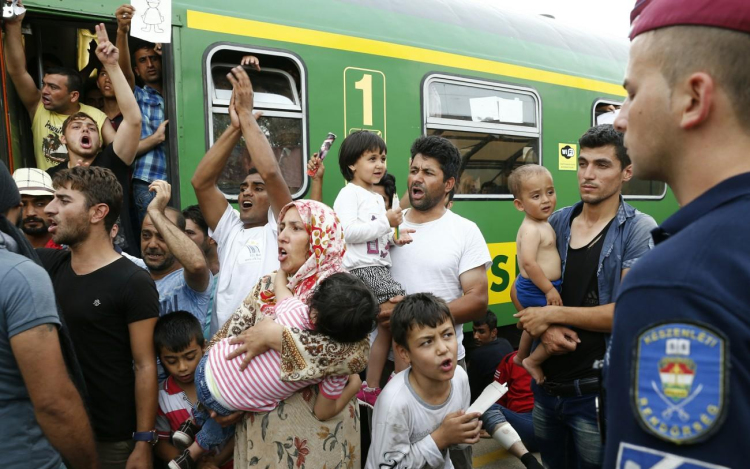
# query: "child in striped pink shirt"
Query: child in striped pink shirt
{"points": [[342, 308]]}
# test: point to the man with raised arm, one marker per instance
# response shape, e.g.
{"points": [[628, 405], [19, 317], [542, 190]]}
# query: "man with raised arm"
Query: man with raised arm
{"points": [[86, 149], [247, 240], [151, 163], [48, 108], [175, 262]]}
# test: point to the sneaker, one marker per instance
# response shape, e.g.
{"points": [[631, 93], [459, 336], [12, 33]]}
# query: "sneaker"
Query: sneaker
{"points": [[367, 396], [185, 435], [183, 461]]}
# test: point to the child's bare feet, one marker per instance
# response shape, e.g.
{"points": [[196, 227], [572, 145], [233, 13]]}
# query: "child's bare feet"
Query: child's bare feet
{"points": [[534, 369], [517, 360]]}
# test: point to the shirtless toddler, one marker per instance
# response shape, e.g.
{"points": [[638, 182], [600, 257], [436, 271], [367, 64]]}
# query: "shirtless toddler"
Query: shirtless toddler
{"points": [[539, 261]]}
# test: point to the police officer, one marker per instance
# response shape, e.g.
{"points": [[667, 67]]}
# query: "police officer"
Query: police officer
{"points": [[681, 334]]}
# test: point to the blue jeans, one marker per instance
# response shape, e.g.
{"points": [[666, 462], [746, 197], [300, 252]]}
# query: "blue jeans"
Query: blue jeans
{"points": [[141, 197], [211, 434], [566, 430], [522, 423]]}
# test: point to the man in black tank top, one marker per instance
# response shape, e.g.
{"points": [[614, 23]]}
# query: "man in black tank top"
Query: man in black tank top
{"points": [[599, 239]]}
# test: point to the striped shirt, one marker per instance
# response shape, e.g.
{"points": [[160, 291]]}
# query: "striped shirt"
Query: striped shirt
{"points": [[175, 408], [259, 388], [152, 165]]}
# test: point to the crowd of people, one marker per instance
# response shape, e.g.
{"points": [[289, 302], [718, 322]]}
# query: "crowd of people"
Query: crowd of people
{"points": [[134, 334]]}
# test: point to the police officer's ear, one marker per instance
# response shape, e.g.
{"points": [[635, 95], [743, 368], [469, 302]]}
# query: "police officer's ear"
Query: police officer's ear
{"points": [[627, 173]]}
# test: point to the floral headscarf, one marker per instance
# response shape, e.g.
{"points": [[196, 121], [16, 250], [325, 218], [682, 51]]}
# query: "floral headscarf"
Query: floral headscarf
{"points": [[326, 252]]}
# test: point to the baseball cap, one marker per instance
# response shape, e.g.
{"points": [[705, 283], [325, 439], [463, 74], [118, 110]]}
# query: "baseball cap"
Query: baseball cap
{"points": [[648, 15], [33, 181]]}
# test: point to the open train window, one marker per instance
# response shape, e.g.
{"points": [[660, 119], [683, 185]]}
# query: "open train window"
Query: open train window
{"points": [[279, 93], [496, 127], [604, 111]]}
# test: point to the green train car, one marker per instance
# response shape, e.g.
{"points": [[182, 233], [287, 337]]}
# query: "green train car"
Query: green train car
{"points": [[506, 88]]}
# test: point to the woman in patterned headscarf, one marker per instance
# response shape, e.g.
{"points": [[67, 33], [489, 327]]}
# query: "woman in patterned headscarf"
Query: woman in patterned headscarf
{"points": [[311, 244]]}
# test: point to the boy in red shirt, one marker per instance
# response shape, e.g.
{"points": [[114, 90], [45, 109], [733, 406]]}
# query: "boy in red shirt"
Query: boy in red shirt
{"points": [[509, 419]]}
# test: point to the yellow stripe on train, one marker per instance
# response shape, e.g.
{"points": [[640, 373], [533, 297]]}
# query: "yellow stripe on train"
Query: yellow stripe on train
{"points": [[277, 32]]}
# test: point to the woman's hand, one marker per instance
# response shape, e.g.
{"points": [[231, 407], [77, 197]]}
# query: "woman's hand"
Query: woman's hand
{"points": [[227, 420], [265, 335]]}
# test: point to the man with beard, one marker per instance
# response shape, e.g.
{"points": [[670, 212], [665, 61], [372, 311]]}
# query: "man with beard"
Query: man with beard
{"points": [[151, 164], [599, 239], [60, 97], [40, 406], [110, 306], [85, 148], [36, 191], [459, 274], [176, 264], [678, 374], [247, 241]]}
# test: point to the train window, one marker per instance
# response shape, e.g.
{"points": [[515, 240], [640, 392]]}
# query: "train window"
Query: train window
{"points": [[496, 128], [279, 93], [604, 112]]}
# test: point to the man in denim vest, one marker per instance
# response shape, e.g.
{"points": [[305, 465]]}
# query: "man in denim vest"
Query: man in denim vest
{"points": [[599, 240]]}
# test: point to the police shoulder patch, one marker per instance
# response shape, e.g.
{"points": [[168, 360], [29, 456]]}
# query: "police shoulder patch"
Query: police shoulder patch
{"points": [[680, 381]]}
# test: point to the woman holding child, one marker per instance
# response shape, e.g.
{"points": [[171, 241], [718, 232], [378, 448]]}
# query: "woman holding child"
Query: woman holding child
{"points": [[311, 248]]}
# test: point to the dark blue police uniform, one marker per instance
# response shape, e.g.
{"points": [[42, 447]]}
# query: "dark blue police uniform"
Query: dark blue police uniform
{"points": [[681, 341]]}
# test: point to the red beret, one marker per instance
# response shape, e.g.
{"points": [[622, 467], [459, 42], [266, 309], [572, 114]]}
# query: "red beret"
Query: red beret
{"points": [[648, 15]]}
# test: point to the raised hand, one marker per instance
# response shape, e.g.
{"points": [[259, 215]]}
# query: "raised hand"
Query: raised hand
{"points": [[124, 16], [252, 61], [16, 18], [315, 167], [242, 90], [106, 52], [163, 191]]}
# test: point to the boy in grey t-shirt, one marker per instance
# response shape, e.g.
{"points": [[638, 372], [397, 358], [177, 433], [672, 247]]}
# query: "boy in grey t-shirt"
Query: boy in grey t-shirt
{"points": [[419, 414]]}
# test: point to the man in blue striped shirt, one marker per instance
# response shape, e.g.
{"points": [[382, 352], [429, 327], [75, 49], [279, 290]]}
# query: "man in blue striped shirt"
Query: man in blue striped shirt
{"points": [[151, 158]]}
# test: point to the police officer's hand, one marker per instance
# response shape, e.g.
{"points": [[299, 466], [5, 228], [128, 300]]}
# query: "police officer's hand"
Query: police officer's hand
{"points": [[559, 339]]}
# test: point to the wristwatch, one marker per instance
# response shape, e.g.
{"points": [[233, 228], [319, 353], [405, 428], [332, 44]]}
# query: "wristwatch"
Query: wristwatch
{"points": [[152, 437]]}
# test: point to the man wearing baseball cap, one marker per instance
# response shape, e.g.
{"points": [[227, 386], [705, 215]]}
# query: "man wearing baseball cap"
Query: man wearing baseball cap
{"points": [[36, 191], [677, 375]]}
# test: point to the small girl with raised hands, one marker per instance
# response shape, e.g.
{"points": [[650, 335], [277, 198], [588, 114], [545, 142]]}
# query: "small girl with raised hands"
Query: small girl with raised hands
{"points": [[368, 233]]}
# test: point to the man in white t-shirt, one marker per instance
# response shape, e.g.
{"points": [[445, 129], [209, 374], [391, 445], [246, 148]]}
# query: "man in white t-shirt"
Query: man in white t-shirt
{"points": [[246, 239], [448, 256]]}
